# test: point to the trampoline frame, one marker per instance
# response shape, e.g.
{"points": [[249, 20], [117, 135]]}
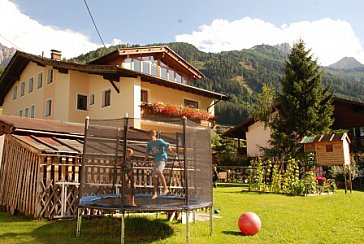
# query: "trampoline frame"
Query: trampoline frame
{"points": [[186, 207]]}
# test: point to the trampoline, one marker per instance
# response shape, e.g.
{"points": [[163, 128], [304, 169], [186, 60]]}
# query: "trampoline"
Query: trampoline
{"points": [[103, 181]]}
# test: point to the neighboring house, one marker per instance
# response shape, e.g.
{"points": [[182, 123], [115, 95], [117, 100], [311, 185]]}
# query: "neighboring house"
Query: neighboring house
{"points": [[112, 86], [348, 115]]}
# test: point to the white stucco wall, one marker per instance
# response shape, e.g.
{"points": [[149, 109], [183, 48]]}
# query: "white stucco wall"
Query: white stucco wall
{"points": [[256, 137], [346, 148]]}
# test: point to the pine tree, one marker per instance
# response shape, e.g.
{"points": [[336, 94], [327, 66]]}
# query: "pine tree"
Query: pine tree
{"points": [[305, 106]]}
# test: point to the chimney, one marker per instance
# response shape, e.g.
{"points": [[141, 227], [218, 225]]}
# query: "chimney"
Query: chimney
{"points": [[56, 55]]}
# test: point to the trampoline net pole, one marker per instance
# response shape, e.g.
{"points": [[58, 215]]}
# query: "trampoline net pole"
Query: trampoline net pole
{"points": [[211, 222], [122, 236], [187, 226], [184, 119], [79, 219]]}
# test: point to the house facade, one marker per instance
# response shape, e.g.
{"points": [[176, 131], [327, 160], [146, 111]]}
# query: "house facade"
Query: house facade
{"points": [[113, 86]]}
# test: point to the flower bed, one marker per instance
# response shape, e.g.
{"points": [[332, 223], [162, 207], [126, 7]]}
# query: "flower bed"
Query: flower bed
{"points": [[193, 114]]}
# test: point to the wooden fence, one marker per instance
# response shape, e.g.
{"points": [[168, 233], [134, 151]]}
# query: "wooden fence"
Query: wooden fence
{"points": [[47, 185]]}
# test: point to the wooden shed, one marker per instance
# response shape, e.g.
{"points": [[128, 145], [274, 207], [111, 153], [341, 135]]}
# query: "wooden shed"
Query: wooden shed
{"points": [[327, 149], [39, 170]]}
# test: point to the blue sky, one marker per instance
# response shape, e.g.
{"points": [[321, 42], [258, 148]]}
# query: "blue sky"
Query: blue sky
{"points": [[332, 28]]}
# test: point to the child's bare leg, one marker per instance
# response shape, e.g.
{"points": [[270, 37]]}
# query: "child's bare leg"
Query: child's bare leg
{"points": [[131, 201], [155, 187], [163, 180]]}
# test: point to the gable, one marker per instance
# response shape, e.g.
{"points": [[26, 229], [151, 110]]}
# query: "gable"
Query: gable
{"points": [[161, 54]]}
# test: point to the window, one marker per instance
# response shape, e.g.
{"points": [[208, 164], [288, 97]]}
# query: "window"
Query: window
{"points": [[15, 92], [144, 96], [190, 103], [178, 78], [22, 89], [50, 75], [137, 65], [106, 98], [40, 80], [81, 102], [92, 99], [146, 66], [26, 112], [48, 108], [171, 75], [127, 63], [32, 112], [163, 73], [30, 85], [21, 113], [329, 148], [185, 80]]}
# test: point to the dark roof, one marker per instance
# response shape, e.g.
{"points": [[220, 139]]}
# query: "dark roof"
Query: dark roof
{"points": [[10, 124], [239, 130], [110, 72]]}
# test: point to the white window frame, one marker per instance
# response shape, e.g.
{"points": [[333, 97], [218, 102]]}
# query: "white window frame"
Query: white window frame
{"points": [[40, 81], [32, 111], [149, 95], [21, 113], [46, 112], [92, 99], [15, 92], [30, 85], [22, 89], [50, 75], [192, 100], [26, 112], [103, 98], [83, 95]]}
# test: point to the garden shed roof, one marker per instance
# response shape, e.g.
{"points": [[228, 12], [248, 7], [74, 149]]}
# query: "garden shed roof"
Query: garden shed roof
{"points": [[325, 138]]}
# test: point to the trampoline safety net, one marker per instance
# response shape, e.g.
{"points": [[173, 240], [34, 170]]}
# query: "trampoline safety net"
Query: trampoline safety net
{"points": [[106, 180]]}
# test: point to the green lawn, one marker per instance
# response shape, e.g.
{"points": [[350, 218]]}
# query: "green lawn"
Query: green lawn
{"points": [[335, 218]]}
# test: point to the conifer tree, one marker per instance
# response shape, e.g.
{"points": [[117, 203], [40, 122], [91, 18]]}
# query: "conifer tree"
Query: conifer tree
{"points": [[305, 106]]}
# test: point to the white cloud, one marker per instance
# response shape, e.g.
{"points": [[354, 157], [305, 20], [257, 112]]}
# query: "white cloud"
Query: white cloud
{"points": [[33, 37], [330, 40]]}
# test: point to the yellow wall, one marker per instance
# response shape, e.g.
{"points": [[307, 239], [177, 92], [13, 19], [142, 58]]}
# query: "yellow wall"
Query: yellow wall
{"points": [[36, 98], [121, 103], [79, 84]]}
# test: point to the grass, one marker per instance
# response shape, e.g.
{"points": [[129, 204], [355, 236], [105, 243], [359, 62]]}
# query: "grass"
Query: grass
{"points": [[335, 218]]}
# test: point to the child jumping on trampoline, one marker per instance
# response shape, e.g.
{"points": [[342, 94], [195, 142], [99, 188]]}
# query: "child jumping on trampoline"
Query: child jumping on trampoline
{"points": [[157, 148], [129, 178]]}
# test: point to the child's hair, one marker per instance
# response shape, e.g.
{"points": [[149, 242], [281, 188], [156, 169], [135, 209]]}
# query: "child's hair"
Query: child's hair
{"points": [[151, 133]]}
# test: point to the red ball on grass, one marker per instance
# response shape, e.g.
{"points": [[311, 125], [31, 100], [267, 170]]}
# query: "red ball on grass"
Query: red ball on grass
{"points": [[249, 223]]}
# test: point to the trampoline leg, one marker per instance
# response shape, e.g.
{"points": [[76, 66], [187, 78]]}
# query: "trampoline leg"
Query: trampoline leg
{"points": [[122, 237], [79, 218], [211, 223], [187, 226]]}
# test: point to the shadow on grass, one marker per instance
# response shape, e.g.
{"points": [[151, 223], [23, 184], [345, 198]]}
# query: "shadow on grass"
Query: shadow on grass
{"points": [[233, 233], [103, 230], [225, 185], [8, 218]]}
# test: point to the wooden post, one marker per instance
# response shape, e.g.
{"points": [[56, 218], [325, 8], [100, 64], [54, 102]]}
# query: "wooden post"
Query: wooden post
{"points": [[350, 181], [344, 171]]}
